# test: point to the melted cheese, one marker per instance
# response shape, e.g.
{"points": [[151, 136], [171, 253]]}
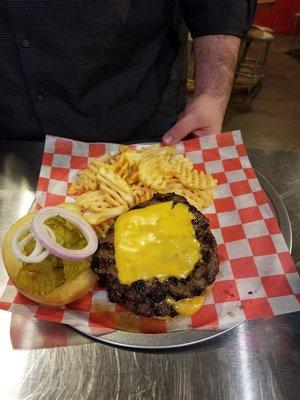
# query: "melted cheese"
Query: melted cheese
{"points": [[157, 241], [187, 307]]}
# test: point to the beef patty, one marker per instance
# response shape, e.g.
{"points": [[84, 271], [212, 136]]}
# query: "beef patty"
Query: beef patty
{"points": [[148, 298]]}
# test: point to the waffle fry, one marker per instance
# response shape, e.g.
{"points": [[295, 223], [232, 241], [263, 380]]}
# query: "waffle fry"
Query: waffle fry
{"points": [[98, 218], [192, 179], [157, 150], [126, 169], [87, 179], [92, 201], [179, 163], [155, 172], [132, 157], [113, 184], [198, 198], [72, 207], [210, 181], [85, 182], [141, 193], [188, 176]]}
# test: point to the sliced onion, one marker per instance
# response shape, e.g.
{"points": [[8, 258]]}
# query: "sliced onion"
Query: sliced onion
{"points": [[37, 255], [40, 231]]}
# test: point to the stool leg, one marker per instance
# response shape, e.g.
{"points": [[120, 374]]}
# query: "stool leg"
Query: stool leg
{"points": [[251, 94], [244, 54], [294, 37], [255, 92], [265, 56]]}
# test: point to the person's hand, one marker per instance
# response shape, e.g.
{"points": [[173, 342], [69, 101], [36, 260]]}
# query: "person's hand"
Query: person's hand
{"points": [[203, 115]]}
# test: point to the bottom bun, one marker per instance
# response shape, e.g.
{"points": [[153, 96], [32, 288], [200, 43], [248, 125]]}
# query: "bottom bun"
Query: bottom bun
{"points": [[64, 294]]}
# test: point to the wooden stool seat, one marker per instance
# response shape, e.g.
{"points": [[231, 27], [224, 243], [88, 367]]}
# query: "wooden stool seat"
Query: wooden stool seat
{"points": [[297, 15], [257, 34], [263, 28], [265, 3]]}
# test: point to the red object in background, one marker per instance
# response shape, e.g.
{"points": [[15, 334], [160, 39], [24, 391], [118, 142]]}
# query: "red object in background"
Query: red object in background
{"points": [[279, 17]]}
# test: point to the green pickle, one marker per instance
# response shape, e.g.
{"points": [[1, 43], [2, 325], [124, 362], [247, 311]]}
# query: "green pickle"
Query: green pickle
{"points": [[28, 249], [36, 283], [45, 266], [41, 278], [59, 276], [74, 268], [67, 235]]}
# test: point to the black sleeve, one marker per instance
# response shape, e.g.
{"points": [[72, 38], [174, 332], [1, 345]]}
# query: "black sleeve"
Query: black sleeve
{"points": [[218, 17]]}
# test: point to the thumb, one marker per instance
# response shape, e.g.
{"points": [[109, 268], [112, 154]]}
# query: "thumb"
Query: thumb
{"points": [[180, 130]]}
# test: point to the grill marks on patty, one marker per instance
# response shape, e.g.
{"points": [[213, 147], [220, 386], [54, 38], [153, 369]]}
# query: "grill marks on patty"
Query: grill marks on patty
{"points": [[148, 298]]}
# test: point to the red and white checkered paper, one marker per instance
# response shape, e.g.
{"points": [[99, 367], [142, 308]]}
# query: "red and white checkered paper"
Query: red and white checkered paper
{"points": [[257, 275]]}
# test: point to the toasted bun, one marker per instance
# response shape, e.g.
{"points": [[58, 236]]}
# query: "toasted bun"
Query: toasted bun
{"points": [[64, 294]]}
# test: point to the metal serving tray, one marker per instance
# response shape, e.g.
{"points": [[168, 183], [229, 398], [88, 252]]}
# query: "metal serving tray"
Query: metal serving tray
{"points": [[187, 338]]}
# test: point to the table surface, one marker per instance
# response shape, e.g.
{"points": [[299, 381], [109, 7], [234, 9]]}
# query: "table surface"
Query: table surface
{"points": [[257, 360]]}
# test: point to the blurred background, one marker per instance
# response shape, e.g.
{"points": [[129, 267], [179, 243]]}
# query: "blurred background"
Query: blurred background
{"points": [[265, 101]]}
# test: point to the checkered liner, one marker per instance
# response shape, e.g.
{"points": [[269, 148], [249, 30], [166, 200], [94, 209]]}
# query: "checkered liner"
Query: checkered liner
{"points": [[257, 275]]}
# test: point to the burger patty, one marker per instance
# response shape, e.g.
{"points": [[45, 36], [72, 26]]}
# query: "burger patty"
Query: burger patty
{"points": [[148, 298]]}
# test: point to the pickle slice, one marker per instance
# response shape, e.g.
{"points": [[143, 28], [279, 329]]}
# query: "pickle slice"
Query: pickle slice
{"points": [[58, 230], [45, 266], [80, 244], [74, 268], [67, 235], [59, 276], [41, 284], [36, 283], [28, 249]]}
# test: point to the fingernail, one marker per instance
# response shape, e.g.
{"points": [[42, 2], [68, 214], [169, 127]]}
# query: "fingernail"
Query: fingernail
{"points": [[168, 138]]}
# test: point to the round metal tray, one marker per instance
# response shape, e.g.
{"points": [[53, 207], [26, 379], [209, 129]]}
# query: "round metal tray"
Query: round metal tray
{"points": [[187, 338]]}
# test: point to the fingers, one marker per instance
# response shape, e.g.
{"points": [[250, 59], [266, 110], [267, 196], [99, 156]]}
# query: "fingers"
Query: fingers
{"points": [[204, 132], [180, 130], [177, 132]]}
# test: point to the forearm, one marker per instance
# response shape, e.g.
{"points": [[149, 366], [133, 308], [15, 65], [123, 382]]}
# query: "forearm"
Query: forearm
{"points": [[215, 64], [216, 27]]}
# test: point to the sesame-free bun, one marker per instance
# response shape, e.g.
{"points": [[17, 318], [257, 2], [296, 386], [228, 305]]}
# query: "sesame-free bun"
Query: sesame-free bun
{"points": [[64, 294]]}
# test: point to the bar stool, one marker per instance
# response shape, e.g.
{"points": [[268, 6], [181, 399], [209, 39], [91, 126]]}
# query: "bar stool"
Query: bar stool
{"points": [[247, 41], [295, 41], [251, 67]]}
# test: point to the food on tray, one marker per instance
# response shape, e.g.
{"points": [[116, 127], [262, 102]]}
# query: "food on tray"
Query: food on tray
{"points": [[113, 184], [158, 259], [135, 225], [48, 254]]}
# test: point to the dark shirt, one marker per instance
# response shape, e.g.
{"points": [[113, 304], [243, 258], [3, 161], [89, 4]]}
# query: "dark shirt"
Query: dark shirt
{"points": [[96, 70]]}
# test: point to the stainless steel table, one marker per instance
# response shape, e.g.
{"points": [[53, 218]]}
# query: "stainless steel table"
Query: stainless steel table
{"points": [[257, 360]]}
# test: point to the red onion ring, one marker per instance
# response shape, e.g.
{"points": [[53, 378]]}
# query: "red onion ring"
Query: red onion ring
{"points": [[39, 230]]}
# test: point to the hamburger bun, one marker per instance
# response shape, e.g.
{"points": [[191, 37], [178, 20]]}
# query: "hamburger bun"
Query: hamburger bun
{"points": [[66, 293]]}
